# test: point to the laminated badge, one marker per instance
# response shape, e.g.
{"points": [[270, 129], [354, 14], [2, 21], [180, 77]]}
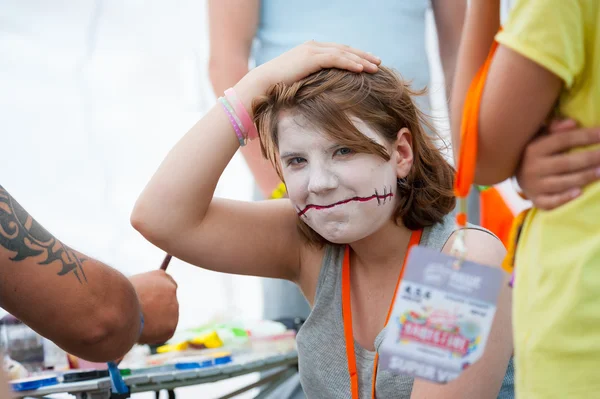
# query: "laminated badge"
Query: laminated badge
{"points": [[442, 316]]}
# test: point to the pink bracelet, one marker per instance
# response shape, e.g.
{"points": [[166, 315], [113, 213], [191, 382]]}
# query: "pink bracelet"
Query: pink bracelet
{"points": [[240, 110], [238, 132]]}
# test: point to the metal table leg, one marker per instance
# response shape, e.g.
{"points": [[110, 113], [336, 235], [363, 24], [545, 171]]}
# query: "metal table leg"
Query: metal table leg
{"points": [[275, 384], [275, 378]]}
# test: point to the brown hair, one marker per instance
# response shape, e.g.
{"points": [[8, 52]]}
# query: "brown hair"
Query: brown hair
{"points": [[329, 98]]}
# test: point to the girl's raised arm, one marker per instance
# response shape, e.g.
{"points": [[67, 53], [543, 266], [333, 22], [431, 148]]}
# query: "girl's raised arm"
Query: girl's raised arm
{"points": [[177, 212]]}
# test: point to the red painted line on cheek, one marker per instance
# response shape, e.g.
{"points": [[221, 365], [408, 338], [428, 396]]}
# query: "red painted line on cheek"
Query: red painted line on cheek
{"points": [[357, 199]]}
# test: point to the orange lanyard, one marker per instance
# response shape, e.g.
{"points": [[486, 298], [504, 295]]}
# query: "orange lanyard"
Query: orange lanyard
{"points": [[467, 155], [465, 172], [469, 128], [415, 238]]}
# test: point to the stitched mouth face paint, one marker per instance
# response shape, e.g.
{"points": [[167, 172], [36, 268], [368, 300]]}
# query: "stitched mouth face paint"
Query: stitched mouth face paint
{"points": [[342, 195], [381, 200]]}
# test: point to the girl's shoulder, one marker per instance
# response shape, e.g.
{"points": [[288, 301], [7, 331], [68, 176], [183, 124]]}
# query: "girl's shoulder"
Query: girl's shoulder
{"points": [[441, 237]]}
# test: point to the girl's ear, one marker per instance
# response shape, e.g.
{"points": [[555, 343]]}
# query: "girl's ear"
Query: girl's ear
{"points": [[403, 153]]}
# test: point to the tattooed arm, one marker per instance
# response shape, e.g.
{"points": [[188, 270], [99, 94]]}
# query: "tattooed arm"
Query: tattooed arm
{"points": [[84, 306]]}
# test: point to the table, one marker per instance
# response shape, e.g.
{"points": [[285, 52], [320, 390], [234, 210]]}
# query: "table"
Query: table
{"points": [[282, 365]]}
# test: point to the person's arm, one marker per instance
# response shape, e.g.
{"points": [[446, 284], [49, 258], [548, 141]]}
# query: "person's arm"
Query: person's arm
{"points": [[177, 211], [483, 379], [233, 24], [541, 52], [449, 20], [480, 27], [85, 307], [519, 96]]}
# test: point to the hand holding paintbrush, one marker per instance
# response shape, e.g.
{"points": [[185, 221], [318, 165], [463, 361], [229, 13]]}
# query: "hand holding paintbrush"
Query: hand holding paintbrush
{"points": [[157, 294]]}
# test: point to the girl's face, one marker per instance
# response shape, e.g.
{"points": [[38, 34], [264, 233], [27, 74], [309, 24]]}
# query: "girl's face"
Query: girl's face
{"points": [[342, 195]]}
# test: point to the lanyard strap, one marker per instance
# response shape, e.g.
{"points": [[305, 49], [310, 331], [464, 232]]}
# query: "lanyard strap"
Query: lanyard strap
{"points": [[467, 156], [465, 173], [415, 238], [469, 129]]}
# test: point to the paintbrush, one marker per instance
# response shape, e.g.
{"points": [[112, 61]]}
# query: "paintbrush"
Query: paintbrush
{"points": [[165, 262]]}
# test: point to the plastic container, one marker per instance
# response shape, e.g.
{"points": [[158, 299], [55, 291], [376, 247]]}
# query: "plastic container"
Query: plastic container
{"points": [[278, 343], [54, 357], [14, 370], [21, 343]]}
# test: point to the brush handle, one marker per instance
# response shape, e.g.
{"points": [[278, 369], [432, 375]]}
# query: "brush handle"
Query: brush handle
{"points": [[118, 386], [165, 262]]}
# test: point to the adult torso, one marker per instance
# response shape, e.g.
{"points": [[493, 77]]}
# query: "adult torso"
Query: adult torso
{"points": [[393, 30]]}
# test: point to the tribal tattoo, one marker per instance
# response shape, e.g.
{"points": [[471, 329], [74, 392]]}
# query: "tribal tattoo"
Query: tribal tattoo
{"points": [[20, 233], [380, 197]]}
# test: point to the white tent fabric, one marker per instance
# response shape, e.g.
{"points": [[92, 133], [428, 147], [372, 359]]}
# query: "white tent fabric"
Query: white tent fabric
{"points": [[93, 94]]}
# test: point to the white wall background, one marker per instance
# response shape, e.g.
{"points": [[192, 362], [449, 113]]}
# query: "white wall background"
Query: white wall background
{"points": [[92, 96], [93, 93]]}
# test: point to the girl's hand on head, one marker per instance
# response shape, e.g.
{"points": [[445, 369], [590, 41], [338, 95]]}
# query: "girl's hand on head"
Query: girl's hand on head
{"points": [[312, 56], [549, 174], [302, 61]]}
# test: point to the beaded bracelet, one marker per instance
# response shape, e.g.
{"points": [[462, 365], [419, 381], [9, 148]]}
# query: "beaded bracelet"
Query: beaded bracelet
{"points": [[240, 110], [232, 112], [238, 131]]}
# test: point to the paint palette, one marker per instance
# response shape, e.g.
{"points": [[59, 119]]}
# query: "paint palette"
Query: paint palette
{"points": [[84, 375], [200, 362], [31, 383]]}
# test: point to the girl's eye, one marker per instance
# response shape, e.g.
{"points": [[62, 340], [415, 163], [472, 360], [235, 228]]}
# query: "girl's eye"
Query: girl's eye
{"points": [[296, 161], [343, 151]]}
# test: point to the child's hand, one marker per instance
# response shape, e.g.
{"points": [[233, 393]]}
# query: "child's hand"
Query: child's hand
{"points": [[300, 62], [549, 174]]}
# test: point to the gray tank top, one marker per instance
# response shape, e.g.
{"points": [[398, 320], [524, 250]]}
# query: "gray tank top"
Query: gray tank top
{"points": [[321, 346]]}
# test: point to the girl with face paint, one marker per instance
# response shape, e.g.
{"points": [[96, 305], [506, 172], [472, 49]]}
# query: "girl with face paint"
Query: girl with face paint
{"points": [[363, 181]]}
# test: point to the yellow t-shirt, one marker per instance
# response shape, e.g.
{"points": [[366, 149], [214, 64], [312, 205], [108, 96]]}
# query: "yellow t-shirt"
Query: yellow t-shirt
{"points": [[556, 306]]}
